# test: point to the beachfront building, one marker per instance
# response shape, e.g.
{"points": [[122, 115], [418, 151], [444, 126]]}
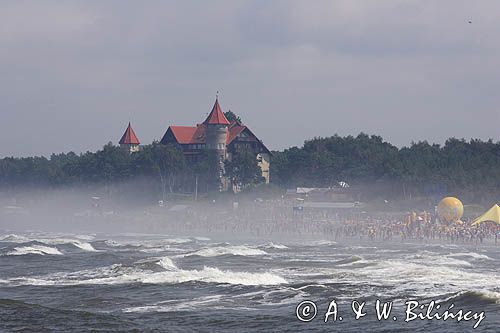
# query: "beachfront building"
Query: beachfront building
{"points": [[129, 140], [221, 136]]}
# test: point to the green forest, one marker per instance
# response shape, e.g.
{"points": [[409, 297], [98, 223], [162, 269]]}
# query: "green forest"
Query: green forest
{"points": [[422, 169]]}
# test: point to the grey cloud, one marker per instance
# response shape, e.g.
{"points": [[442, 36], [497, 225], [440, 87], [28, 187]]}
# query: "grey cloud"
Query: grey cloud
{"points": [[75, 72]]}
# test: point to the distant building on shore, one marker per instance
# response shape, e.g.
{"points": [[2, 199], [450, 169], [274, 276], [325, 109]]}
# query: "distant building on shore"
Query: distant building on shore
{"points": [[216, 133], [129, 140]]}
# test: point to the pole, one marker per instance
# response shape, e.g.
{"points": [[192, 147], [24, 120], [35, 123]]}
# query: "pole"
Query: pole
{"points": [[196, 189]]}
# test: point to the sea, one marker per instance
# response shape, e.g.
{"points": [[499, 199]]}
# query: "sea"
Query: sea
{"points": [[132, 282]]}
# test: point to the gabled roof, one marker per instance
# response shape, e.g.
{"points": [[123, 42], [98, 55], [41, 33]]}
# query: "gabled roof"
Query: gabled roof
{"points": [[233, 132], [216, 116], [129, 137], [183, 134], [237, 128]]}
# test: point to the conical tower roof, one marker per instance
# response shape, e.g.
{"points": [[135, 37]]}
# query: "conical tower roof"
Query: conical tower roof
{"points": [[129, 137], [216, 117]]}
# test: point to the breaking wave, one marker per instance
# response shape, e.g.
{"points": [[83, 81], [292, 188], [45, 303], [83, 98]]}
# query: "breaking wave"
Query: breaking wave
{"points": [[51, 241], [12, 238], [240, 250], [349, 260], [272, 245], [167, 263], [471, 255], [34, 249], [119, 274], [474, 297]]}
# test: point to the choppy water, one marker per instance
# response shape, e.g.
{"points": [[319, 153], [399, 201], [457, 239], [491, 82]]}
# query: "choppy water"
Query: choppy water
{"points": [[104, 283]]}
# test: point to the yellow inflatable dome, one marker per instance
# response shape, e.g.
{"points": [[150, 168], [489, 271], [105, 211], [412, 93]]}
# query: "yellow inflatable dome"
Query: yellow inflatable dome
{"points": [[450, 209]]}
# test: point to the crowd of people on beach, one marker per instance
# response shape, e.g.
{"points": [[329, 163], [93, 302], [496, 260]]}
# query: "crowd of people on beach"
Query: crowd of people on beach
{"points": [[273, 219]]}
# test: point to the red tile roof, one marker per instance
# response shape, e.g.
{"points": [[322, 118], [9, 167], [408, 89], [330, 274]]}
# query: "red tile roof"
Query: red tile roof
{"points": [[216, 117], [183, 134], [129, 137]]}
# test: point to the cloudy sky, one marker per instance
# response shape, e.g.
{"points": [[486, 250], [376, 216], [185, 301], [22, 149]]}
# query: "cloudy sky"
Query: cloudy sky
{"points": [[73, 73]]}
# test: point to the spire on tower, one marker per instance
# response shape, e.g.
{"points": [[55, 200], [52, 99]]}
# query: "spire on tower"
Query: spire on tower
{"points": [[129, 137], [216, 116]]}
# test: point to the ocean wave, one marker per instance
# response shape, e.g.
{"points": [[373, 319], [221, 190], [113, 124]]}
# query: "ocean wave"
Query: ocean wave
{"points": [[119, 274], [437, 259], [349, 260], [272, 245], [203, 239], [471, 255], [177, 240], [239, 250], [167, 263], [387, 251], [321, 242], [473, 297], [112, 243], [84, 246], [67, 241], [422, 278], [147, 243], [215, 275], [13, 238], [34, 249], [178, 305]]}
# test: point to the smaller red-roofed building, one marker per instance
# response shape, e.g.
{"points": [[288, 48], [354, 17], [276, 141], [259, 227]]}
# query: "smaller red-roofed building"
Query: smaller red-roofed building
{"points": [[129, 140]]}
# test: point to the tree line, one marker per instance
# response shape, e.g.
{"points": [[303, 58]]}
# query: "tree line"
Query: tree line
{"points": [[165, 164], [419, 169], [458, 166]]}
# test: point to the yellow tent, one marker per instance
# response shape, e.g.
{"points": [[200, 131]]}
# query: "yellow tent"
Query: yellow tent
{"points": [[493, 215]]}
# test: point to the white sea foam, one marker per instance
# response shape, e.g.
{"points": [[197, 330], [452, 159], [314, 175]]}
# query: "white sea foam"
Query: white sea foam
{"points": [[203, 239], [322, 242], [482, 294], [112, 243], [177, 240], [239, 250], [34, 249], [119, 274], [85, 246], [419, 278], [214, 275], [51, 241], [167, 263], [471, 255], [61, 241], [387, 251], [437, 259], [12, 238], [272, 245], [179, 305]]}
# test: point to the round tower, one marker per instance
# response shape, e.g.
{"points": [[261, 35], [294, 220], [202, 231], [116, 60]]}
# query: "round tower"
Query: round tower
{"points": [[216, 132], [216, 136], [129, 140]]}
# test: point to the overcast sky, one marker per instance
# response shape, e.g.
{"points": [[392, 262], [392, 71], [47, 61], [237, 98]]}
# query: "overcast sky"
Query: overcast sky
{"points": [[73, 73]]}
